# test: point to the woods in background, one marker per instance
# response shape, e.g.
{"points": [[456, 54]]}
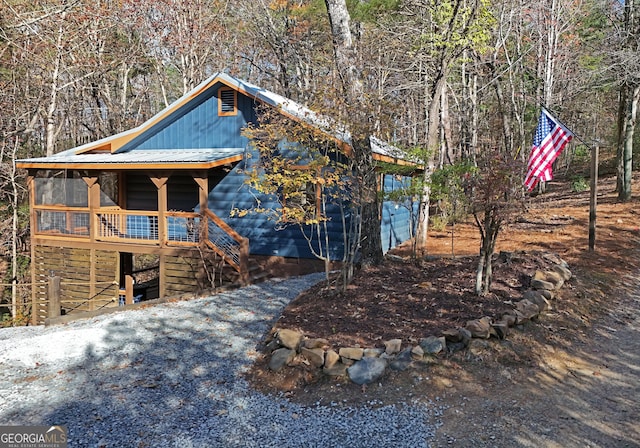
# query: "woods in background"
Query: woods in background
{"points": [[446, 80]]}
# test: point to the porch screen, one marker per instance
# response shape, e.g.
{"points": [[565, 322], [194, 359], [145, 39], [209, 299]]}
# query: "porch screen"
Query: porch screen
{"points": [[60, 191]]}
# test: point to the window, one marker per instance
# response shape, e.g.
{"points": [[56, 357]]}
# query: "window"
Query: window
{"points": [[227, 102]]}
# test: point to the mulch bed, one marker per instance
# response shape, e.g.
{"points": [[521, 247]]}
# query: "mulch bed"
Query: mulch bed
{"points": [[408, 299]]}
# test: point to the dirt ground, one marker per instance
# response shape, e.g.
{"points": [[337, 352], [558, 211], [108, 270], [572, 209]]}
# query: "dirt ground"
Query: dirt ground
{"points": [[568, 380]]}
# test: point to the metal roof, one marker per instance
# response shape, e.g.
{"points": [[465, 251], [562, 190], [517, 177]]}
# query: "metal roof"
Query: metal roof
{"points": [[140, 156]]}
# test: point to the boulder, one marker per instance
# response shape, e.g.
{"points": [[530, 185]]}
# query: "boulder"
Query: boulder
{"points": [[367, 370], [509, 318], [417, 353], [289, 338], [541, 284], [525, 310], [501, 329], [354, 353], [373, 352], [537, 298], [563, 271], [393, 346], [480, 328], [338, 369], [280, 358], [554, 278], [315, 343], [433, 345], [453, 347], [547, 294], [478, 347], [466, 336], [315, 356], [331, 358], [402, 361], [452, 335], [272, 345]]}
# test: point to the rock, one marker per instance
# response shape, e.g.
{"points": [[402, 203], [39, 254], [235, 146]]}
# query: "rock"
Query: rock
{"points": [[433, 345], [539, 275], [373, 352], [280, 358], [541, 284], [272, 345], [347, 361], [289, 338], [478, 347], [338, 369], [547, 294], [417, 353], [501, 329], [315, 343], [452, 335], [525, 310], [354, 353], [466, 336], [402, 361], [315, 356], [367, 370], [480, 328], [331, 358], [393, 346], [453, 347], [556, 259], [554, 278], [563, 271], [537, 298], [509, 319]]}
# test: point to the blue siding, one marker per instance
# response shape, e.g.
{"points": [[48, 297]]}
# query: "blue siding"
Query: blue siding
{"points": [[266, 238], [265, 235], [198, 126], [397, 220]]}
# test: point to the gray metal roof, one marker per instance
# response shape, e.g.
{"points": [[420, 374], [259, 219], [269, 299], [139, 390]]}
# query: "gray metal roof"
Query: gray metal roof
{"points": [[142, 156]]}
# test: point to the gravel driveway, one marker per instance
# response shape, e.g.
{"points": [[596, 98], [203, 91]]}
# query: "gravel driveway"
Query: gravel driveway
{"points": [[171, 375]]}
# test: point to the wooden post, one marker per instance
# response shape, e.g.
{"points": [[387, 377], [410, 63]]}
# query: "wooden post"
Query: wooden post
{"points": [[128, 289], [161, 185], [594, 198], [54, 296]]}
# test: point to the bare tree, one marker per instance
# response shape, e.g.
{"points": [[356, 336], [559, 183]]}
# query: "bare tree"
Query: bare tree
{"points": [[629, 96], [360, 124]]}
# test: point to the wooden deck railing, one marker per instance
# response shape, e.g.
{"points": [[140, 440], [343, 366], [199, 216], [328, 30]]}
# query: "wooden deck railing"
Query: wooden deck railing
{"points": [[143, 227], [230, 245]]}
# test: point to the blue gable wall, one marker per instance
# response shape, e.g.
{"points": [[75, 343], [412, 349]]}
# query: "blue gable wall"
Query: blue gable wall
{"points": [[266, 237], [198, 126]]}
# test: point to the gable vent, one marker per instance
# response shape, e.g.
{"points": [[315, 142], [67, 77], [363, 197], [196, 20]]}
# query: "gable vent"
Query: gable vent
{"points": [[227, 102]]}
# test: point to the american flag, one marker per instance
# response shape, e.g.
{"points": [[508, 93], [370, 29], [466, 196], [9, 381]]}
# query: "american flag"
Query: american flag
{"points": [[550, 139]]}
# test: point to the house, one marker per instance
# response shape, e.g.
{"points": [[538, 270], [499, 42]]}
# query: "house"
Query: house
{"points": [[163, 192]]}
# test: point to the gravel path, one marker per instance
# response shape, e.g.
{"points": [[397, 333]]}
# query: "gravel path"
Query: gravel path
{"points": [[171, 375]]}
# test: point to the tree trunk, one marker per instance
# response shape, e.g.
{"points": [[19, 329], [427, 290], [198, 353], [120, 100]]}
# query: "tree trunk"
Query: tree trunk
{"points": [[346, 57], [489, 235], [433, 121], [630, 115]]}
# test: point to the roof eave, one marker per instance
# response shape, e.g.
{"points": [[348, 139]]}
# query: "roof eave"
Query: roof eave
{"points": [[126, 166]]}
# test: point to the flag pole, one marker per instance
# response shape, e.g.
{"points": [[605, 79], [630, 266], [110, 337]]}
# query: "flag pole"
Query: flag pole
{"points": [[593, 186], [555, 115]]}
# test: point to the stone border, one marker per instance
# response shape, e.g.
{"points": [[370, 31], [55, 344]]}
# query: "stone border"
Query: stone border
{"points": [[289, 348]]}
